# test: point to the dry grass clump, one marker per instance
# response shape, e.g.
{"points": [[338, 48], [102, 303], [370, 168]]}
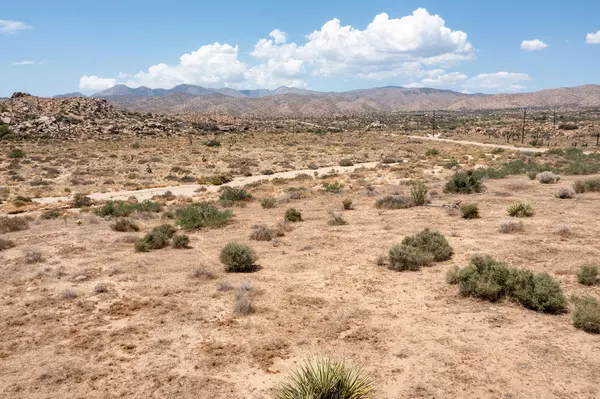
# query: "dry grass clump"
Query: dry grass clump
{"points": [[243, 303], [6, 244], [418, 192], [586, 316], [125, 226], [268, 203], [346, 162], [488, 279], [511, 226], [33, 256], [565, 193], [469, 211], [587, 185], [325, 378], [394, 202], [9, 224], [335, 219], [261, 233], [547, 178], [347, 204]]}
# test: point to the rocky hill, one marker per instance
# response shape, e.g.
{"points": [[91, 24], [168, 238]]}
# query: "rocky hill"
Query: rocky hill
{"points": [[296, 103]]}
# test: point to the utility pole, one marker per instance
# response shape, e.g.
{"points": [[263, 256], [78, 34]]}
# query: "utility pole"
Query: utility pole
{"points": [[523, 132]]}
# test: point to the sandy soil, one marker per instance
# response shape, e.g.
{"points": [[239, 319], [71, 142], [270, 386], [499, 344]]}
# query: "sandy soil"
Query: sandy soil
{"points": [[159, 332]]}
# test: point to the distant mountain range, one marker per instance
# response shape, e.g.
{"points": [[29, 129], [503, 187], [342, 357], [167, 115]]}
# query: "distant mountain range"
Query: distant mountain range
{"points": [[293, 102]]}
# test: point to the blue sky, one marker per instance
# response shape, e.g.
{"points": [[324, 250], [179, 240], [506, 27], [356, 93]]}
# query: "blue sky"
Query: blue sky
{"points": [[48, 48]]}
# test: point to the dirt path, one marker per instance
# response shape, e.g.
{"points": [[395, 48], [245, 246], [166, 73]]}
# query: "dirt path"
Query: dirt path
{"points": [[190, 189], [507, 147]]}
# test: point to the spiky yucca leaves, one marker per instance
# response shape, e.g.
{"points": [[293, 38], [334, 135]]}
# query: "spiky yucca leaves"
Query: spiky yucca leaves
{"points": [[325, 378]]}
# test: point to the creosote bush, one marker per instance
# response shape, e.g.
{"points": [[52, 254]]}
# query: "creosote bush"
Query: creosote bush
{"points": [[325, 378], [201, 215], [333, 187], [238, 258], [418, 192], [432, 242], [394, 202], [125, 225], [586, 316], [293, 215], [404, 257], [268, 203], [547, 177], [464, 183], [156, 239], [9, 224], [520, 210], [488, 279], [234, 194], [181, 241], [587, 185], [469, 211], [346, 162], [588, 275], [124, 209]]}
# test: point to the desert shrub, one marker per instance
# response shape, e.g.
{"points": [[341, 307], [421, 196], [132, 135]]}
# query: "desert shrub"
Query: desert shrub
{"points": [[432, 242], [261, 233], [333, 187], [33, 256], [212, 143], [394, 202], [418, 192], [336, 219], [234, 194], [587, 185], [6, 244], [452, 163], [324, 378], [9, 224], [181, 241], [488, 279], [268, 203], [166, 229], [124, 209], [81, 201], [5, 131], [565, 193], [50, 214], [532, 174], [243, 304], [346, 162], [464, 183], [469, 211], [520, 210], [21, 200], [156, 239], [347, 204], [293, 215], [238, 258], [201, 215], [16, 153], [452, 275], [587, 275], [216, 180], [567, 126], [586, 316], [511, 226], [432, 152], [125, 225], [100, 288], [405, 257], [547, 178]]}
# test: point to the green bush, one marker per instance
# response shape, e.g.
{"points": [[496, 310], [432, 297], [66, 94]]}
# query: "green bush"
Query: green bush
{"points": [[268, 203], [346, 162], [333, 187], [16, 153], [418, 192], [293, 215], [238, 258], [325, 378], [5, 131], [587, 185], [394, 202], [181, 241], [166, 229], [212, 143], [6, 244], [469, 211], [404, 257], [124, 209], [464, 183], [520, 210], [50, 214], [216, 180], [587, 275], [432, 152], [586, 316], [9, 224], [431, 242], [234, 194], [156, 239], [201, 215], [488, 279], [125, 225]]}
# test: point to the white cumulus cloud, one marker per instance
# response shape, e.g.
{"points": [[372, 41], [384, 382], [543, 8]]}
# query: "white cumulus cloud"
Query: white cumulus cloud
{"points": [[593, 38], [279, 36], [499, 81], [533, 45], [95, 83], [8, 26], [23, 63]]}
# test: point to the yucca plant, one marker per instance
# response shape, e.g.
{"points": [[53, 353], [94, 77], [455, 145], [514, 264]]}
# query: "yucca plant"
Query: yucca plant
{"points": [[520, 210], [325, 378]]}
